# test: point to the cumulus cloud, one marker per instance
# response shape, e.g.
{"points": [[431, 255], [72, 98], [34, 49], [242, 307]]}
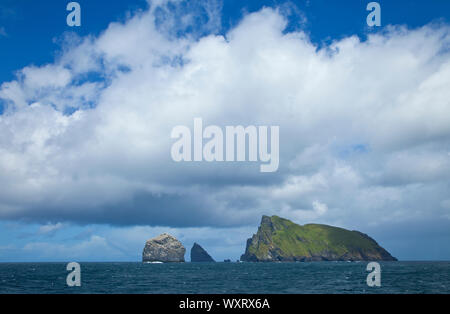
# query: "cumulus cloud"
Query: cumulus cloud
{"points": [[364, 125]]}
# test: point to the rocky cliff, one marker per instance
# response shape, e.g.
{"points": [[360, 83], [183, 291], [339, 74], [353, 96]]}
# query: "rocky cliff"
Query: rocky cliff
{"points": [[199, 255], [282, 240], [164, 248]]}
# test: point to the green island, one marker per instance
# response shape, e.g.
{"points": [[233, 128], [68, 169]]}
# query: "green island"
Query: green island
{"points": [[281, 240]]}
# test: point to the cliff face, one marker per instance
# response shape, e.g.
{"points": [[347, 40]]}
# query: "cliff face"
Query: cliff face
{"points": [[164, 248], [282, 240], [199, 255]]}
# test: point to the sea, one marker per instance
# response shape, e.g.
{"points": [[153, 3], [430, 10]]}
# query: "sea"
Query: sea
{"points": [[226, 278]]}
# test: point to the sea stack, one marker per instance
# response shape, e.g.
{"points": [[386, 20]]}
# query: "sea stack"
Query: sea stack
{"points": [[199, 255], [164, 248], [281, 240]]}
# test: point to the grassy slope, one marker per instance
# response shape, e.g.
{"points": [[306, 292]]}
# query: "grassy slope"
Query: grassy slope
{"points": [[311, 239]]}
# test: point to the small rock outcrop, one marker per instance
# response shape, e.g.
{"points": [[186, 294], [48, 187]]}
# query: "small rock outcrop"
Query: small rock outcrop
{"points": [[164, 248], [199, 255], [281, 240]]}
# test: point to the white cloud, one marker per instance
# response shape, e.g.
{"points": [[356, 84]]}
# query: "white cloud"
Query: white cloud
{"points": [[365, 126], [320, 208], [100, 243], [47, 76], [95, 248], [50, 228]]}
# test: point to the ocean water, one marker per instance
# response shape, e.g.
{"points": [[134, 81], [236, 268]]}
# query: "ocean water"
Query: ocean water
{"points": [[253, 278]]}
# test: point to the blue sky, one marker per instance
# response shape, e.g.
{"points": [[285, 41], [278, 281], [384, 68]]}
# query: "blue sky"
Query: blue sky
{"points": [[34, 28], [84, 114]]}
